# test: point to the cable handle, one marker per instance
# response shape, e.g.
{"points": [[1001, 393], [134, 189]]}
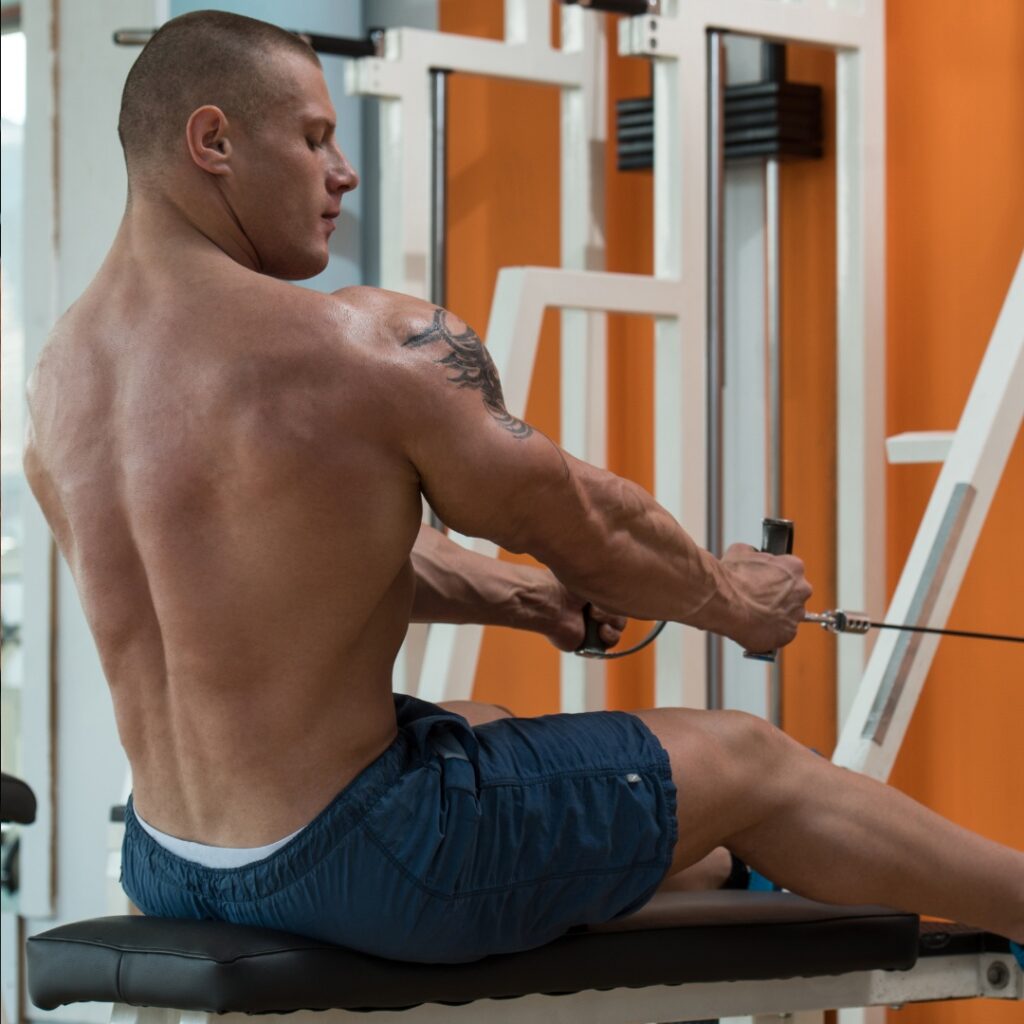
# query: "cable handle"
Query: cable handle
{"points": [[776, 539], [594, 647]]}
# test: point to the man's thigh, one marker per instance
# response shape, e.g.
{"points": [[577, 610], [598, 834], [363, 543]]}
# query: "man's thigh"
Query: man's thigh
{"points": [[476, 712]]}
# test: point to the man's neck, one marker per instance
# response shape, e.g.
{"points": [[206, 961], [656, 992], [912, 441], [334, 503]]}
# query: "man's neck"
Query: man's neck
{"points": [[158, 226]]}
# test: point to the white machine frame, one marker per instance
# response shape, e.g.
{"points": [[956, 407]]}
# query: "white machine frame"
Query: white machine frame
{"points": [[931, 578]]}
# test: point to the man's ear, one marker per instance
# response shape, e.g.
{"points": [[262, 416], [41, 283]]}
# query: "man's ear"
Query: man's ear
{"points": [[207, 136]]}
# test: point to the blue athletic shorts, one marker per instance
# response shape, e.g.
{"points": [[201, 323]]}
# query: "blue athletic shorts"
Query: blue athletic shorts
{"points": [[454, 844]]}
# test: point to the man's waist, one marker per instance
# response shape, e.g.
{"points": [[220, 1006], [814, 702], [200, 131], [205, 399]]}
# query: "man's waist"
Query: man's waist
{"points": [[214, 856]]}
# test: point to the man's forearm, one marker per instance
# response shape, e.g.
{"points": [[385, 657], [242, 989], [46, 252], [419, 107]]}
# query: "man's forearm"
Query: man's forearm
{"points": [[460, 586], [610, 543], [616, 546]]}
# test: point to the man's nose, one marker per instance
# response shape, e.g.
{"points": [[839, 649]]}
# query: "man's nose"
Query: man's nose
{"points": [[342, 176]]}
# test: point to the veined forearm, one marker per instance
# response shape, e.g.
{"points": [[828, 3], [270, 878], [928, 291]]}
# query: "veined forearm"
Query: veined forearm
{"points": [[460, 586], [622, 550]]}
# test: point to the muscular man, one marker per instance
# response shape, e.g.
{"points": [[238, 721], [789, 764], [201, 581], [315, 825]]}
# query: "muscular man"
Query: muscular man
{"points": [[234, 469]]}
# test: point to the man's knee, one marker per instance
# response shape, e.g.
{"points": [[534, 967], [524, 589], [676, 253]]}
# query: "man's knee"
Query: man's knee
{"points": [[751, 739], [728, 745]]}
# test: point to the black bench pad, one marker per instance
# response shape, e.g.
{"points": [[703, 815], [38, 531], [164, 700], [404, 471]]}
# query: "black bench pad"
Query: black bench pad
{"points": [[676, 938]]}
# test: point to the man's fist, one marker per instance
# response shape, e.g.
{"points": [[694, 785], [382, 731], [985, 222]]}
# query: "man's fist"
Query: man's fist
{"points": [[769, 597], [567, 629]]}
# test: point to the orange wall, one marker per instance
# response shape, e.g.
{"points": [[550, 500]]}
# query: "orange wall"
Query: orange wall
{"points": [[955, 112], [808, 305]]}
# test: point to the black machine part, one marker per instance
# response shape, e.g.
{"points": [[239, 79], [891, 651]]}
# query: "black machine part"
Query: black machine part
{"points": [[771, 118], [628, 7], [594, 647], [334, 46]]}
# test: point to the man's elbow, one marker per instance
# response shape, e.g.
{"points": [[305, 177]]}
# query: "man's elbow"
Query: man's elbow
{"points": [[582, 550]]}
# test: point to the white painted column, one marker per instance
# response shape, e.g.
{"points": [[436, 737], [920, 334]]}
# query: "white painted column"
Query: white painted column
{"points": [[680, 253], [860, 339], [584, 349]]}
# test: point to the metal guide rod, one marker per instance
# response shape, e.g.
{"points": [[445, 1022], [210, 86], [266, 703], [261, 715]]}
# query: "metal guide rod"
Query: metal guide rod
{"points": [[715, 346], [773, 324], [773, 329], [438, 205], [773, 69], [439, 196]]}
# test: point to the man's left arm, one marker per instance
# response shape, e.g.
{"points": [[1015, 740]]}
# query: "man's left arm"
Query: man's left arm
{"points": [[460, 586]]}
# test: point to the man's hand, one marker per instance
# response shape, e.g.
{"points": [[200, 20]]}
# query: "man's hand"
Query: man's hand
{"points": [[769, 597], [566, 628]]}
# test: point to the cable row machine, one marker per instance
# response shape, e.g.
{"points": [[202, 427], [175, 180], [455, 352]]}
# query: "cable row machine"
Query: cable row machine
{"points": [[683, 957]]}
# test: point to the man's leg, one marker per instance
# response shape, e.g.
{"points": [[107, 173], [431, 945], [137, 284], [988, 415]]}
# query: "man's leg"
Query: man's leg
{"points": [[825, 832]]}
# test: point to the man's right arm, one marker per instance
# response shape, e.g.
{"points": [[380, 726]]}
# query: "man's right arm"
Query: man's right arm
{"points": [[489, 474]]}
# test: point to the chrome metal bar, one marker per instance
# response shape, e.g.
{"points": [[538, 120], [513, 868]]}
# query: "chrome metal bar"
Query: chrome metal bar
{"points": [[438, 205], [715, 334], [773, 331], [133, 36], [773, 320], [439, 197], [337, 46]]}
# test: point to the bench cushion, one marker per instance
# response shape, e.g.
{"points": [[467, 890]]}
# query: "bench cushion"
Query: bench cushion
{"points": [[676, 938]]}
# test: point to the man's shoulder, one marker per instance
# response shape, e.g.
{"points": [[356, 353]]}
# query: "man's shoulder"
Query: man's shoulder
{"points": [[388, 327], [392, 313], [404, 328]]}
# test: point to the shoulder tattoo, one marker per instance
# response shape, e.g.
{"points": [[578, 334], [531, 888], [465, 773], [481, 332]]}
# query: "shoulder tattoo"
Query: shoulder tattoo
{"points": [[472, 367]]}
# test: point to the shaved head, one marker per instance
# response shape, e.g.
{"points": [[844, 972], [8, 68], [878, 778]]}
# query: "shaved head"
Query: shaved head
{"points": [[202, 58]]}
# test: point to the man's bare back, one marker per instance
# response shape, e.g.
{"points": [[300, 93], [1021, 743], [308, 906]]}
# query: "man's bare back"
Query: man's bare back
{"points": [[239, 528]]}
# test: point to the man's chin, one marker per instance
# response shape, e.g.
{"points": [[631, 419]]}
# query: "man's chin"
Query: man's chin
{"points": [[298, 269]]}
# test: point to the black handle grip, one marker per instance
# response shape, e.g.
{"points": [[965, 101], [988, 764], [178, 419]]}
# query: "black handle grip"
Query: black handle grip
{"points": [[776, 539], [593, 646], [777, 536], [632, 7]]}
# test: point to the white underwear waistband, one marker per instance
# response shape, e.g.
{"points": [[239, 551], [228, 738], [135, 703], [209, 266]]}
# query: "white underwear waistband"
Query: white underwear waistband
{"points": [[213, 856]]}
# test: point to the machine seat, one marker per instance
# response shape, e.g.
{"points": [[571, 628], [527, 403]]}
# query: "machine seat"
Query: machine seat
{"points": [[676, 938]]}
